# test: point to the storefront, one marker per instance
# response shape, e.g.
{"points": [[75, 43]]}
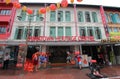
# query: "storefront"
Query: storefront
{"points": [[57, 50]]}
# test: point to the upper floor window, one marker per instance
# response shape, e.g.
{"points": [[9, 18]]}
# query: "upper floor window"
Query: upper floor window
{"points": [[82, 31], [68, 31], [5, 12], [60, 16], [67, 16], [37, 31], [2, 29], [117, 18], [87, 17], [19, 32], [98, 34], [106, 16], [113, 18], [53, 16], [38, 16], [53, 31], [80, 16], [94, 17], [115, 29], [110, 29], [60, 31], [23, 15], [90, 31]]}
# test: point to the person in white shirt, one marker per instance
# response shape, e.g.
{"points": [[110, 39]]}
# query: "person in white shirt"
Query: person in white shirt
{"points": [[6, 61]]}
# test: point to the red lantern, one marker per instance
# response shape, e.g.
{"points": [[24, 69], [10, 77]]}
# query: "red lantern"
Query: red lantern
{"points": [[64, 3], [16, 5], [42, 10], [29, 11], [52, 7], [79, 0]]}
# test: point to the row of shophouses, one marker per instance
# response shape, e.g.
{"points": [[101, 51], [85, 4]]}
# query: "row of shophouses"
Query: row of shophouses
{"points": [[89, 29]]}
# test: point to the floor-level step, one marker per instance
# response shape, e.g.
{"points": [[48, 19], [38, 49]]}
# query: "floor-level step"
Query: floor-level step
{"points": [[60, 64]]}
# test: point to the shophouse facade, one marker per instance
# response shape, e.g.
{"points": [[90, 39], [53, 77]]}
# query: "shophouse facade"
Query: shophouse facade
{"points": [[74, 28], [7, 13], [113, 23]]}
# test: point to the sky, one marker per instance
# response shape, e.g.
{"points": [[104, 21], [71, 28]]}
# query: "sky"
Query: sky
{"points": [[114, 3]]}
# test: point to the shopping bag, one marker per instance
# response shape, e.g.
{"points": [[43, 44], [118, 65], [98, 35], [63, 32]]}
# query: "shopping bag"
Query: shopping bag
{"points": [[19, 65], [72, 61]]}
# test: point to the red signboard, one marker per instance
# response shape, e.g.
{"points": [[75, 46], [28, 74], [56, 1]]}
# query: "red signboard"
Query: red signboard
{"points": [[62, 38], [104, 20]]}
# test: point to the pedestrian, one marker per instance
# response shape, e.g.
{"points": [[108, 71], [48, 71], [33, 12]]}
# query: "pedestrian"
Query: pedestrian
{"points": [[68, 57], [43, 59], [35, 60], [6, 61], [79, 59]]}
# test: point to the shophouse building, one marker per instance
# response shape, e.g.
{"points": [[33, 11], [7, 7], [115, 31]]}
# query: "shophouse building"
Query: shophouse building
{"points": [[7, 13], [74, 28]]}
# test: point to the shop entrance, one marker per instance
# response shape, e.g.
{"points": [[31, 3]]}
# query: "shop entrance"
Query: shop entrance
{"points": [[58, 54]]}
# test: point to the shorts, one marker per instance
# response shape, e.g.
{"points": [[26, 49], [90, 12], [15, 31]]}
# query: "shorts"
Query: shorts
{"points": [[80, 62]]}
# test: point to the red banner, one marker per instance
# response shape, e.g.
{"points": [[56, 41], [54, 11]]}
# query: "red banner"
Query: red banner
{"points": [[62, 38], [104, 21]]}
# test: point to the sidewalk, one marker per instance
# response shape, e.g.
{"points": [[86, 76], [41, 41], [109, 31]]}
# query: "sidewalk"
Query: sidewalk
{"points": [[58, 73]]}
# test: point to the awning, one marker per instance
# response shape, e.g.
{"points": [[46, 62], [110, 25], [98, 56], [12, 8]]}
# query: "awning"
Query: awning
{"points": [[51, 43]]}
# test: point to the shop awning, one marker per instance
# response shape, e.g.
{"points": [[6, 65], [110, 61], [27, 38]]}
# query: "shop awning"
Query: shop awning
{"points": [[51, 43]]}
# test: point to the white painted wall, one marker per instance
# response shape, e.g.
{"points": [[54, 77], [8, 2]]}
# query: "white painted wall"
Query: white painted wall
{"points": [[48, 23]]}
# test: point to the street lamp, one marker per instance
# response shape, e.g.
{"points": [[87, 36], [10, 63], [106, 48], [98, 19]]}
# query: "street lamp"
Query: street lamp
{"points": [[27, 36]]}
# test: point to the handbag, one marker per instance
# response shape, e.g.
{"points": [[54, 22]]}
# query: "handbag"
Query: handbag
{"points": [[72, 61]]}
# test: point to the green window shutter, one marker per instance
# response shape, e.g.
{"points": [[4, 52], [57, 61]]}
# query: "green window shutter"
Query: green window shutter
{"points": [[53, 31], [98, 34], [30, 32], [60, 16], [16, 33], [68, 31], [23, 15], [52, 16], [60, 31], [25, 33], [80, 16], [90, 31], [38, 16], [37, 31], [94, 17], [68, 16], [82, 31], [87, 17]]}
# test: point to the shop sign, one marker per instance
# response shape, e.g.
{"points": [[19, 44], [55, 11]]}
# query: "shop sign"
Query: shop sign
{"points": [[114, 34], [112, 39], [62, 38]]}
